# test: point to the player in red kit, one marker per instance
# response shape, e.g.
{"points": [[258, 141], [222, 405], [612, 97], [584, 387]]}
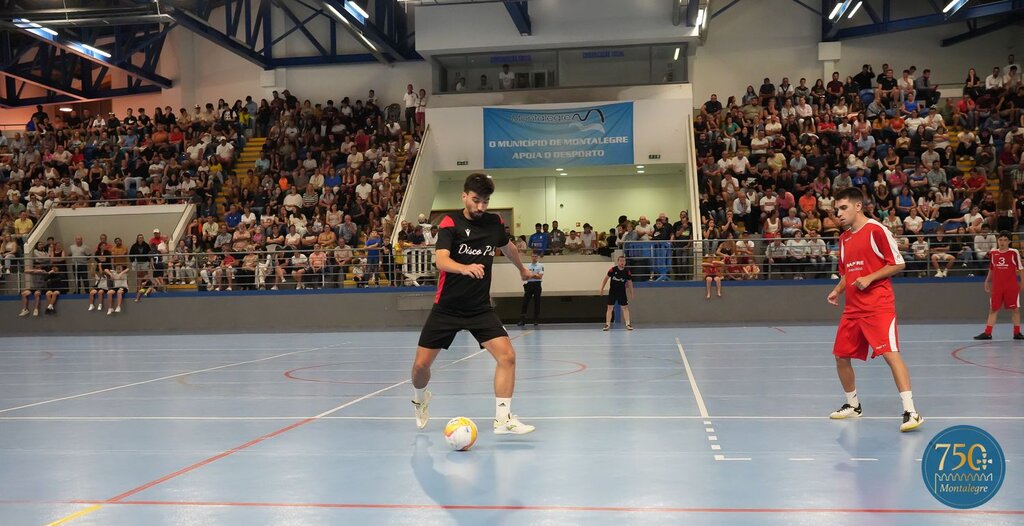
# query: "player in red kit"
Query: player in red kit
{"points": [[868, 257], [1004, 265]]}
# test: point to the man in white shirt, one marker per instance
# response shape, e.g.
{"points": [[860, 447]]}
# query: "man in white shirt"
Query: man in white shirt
{"points": [[411, 100], [225, 151], [589, 238], [994, 82], [984, 242], [506, 79], [293, 201], [364, 188]]}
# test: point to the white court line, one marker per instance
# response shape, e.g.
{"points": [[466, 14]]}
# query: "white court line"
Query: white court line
{"points": [[693, 382], [863, 459], [162, 378], [801, 459], [712, 438], [715, 447], [723, 457], [388, 388], [575, 417]]}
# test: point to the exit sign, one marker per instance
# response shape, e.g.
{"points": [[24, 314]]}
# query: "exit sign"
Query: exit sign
{"points": [[654, 156], [462, 163]]}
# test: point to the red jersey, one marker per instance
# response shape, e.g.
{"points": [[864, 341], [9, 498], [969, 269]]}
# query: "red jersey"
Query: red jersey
{"points": [[1004, 266], [861, 253]]}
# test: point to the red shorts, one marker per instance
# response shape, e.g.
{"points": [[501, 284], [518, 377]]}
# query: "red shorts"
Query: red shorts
{"points": [[1005, 298], [855, 335]]}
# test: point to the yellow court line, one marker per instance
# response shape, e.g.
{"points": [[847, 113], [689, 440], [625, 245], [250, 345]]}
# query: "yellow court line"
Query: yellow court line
{"points": [[75, 515]]}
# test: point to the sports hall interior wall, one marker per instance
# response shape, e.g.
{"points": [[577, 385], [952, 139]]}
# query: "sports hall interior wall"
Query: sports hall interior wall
{"points": [[783, 303]]}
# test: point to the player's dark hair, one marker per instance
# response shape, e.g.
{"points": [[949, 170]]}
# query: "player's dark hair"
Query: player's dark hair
{"points": [[1004, 233], [479, 183], [853, 194]]}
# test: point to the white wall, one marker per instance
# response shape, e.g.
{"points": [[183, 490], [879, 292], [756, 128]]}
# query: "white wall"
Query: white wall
{"points": [[741, 49], [598, 200], [563, 23]]}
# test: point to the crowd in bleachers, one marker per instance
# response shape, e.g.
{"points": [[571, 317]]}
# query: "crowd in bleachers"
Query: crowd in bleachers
{"points": [[321, 197], [770, 160]]}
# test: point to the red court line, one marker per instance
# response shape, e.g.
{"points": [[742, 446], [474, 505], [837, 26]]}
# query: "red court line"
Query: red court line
{"points": [[956, 354], [780, 330], [595, 509], [202, 463]]}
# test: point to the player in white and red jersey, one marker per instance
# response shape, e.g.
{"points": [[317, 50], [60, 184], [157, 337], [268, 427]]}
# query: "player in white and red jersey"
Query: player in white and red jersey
{"points": [[868, 257], [1004, 266]]}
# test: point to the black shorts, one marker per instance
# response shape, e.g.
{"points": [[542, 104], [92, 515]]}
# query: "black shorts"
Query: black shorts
{"points": [[440, 329], [618, 297]]}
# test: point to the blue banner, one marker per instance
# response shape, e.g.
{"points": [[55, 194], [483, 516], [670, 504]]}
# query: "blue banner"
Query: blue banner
{"points": [[583, 136]]}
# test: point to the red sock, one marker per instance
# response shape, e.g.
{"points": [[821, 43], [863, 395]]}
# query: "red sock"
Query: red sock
{"points": [[1016, 329], [988, 329]]}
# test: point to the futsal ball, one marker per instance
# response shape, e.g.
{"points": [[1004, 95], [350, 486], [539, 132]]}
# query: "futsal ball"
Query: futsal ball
{"points": [[460, 432]]}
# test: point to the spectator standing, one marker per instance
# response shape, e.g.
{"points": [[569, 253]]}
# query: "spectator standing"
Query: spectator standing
{"points": [[532, 290]]}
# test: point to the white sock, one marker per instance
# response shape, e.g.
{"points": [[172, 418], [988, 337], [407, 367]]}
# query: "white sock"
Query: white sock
{"points": [[502, 409], [851, 398], [908, 401], [419, 394]]}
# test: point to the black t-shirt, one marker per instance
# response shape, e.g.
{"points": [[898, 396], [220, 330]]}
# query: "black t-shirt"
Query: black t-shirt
{"points": [[469, 242], [863, 80], [619, 279], [887, 83]]}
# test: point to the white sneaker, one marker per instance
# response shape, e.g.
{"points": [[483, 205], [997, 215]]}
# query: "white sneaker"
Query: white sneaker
{"points": [[847, 411], [91, 306], [229, 288], [23, 313], [512, 426], [938, 273], [911, 421], [274, 287], [35, 312], [422, 410], [117, 310], [110, 311]]}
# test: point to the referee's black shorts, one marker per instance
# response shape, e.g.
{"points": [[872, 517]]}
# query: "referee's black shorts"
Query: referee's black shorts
{"points": [[440, 329], [618, 297]]}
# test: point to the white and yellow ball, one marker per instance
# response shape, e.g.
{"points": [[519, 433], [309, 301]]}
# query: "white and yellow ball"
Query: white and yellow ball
{"points": [[460, 432]]}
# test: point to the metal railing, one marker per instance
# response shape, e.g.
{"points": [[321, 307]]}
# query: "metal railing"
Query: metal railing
{"points": [[281, 269], [656, 261]]}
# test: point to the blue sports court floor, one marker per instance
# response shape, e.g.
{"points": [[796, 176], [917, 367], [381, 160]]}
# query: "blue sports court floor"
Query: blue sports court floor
{"points": [[655, 426]]}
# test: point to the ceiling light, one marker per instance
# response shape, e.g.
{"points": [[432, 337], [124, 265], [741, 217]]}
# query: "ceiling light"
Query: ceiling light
{"points": [[701, 17], [676, 56], [639, 167], [855, 9], [839, 10], [98, 51], [953, 7], [352, 6], [559, 169], [65, 109], [640, 171]]}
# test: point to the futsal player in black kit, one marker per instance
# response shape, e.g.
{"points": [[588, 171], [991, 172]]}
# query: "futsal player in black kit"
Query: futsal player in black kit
{"points": [[620, 292], [465, 247]]}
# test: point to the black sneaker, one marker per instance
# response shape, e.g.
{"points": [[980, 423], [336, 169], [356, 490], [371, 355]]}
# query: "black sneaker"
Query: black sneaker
{"points": [[847, 411], [1018, 336], [984, 336]]}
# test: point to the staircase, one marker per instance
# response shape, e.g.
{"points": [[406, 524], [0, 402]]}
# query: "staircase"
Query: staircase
{"points": [[246, 161]]}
